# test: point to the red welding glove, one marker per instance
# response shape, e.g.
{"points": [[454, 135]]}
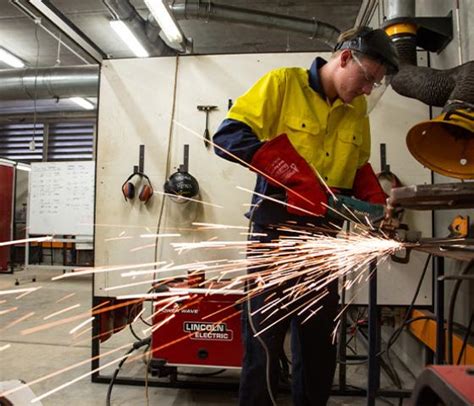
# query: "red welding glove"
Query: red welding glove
{"points": [[367, 187], [281, 164]]}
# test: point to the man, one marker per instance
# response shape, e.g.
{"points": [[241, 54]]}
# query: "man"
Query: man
{"points": [[294, 127]]}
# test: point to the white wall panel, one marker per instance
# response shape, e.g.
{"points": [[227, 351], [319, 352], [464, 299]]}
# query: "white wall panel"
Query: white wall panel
{"points": [[135, 108]]}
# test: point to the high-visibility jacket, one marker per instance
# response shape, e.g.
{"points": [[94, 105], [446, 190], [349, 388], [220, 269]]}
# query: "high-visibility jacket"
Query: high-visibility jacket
{"points": [[333, 138]]}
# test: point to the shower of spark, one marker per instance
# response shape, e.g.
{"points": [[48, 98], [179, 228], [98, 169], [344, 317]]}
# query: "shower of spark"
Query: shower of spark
{"points": [[26, 240], [293, 272], [299, 265]]}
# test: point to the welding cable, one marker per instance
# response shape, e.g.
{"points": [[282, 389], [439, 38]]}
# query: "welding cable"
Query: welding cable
{"points": [[267, 352], [130, 322], [466, 338], [151, 290], [135, 346], [452, 303], [250, 319], [387, 368], [396, 333]]}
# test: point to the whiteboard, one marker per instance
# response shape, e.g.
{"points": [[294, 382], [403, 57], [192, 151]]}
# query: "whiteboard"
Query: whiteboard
{"points": [[61, 198]]}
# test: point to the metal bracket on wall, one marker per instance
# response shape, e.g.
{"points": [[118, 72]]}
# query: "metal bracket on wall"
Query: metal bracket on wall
{"points": [[384, 167], [140, 168], [184, 167], [432, 34], [141, 159]]}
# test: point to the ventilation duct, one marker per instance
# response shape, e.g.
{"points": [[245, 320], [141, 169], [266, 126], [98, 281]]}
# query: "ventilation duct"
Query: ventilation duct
{"points": [[446, 143], [47, 83], [431, 86], [145, 31], [207, 11]]}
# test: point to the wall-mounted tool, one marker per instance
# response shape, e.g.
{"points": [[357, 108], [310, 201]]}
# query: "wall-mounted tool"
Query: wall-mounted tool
{"points": [[207, 136], [182, 184]]}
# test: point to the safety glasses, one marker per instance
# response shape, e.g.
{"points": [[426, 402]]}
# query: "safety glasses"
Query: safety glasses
{"points": [[368, 77]]}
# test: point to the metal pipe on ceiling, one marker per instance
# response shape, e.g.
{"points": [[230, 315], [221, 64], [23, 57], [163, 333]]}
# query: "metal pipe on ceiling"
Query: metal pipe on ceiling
{"points": [[207, 10], [47, 83], [144, 31]]}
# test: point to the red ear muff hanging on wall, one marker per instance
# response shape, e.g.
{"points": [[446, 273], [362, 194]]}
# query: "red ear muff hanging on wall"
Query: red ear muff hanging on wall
{"points": [[146, 191], [129, 188]]}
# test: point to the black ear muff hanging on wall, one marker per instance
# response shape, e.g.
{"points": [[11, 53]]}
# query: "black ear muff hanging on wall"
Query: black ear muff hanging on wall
{"points": [[138, 179], [181, 184]]}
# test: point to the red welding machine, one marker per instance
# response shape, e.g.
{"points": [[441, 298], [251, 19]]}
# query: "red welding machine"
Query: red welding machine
{"points": [[203, 330]]}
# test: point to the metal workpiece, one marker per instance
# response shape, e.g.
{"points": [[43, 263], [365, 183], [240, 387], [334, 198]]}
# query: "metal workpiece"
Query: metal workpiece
{"points": [[434, 197]]}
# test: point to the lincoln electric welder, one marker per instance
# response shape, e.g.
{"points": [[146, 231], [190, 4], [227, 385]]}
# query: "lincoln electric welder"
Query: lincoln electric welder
{"points": [[203, 330]]}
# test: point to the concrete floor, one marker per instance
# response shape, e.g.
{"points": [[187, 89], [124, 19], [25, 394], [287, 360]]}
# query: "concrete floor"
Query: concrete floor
{"points": [[33, 356]]}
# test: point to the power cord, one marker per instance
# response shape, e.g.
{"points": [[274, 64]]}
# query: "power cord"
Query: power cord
{"points": [[466, 338], [267, 352], [135, 346], [452, 303], [252, 326], [396, 333]]}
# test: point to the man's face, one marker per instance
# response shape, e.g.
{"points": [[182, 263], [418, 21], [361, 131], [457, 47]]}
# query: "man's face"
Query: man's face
{"points": [[357, 76]]}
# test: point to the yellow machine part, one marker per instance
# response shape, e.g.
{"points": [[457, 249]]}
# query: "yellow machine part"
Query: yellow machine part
{"points": [[459, 227], [445, 144], [425, 331], [400, 28]]}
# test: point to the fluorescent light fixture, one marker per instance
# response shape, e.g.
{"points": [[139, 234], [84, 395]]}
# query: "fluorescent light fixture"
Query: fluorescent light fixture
{"points": [[82, 102], [130, 40], [10, 59], [163, 17]]}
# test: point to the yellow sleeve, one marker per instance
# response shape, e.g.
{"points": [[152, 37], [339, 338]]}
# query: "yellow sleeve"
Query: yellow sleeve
{"points": [[260, 106]]}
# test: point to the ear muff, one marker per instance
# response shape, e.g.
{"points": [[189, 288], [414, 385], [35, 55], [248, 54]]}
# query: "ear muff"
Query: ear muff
{"points": [[146, 191], [128, 188]]}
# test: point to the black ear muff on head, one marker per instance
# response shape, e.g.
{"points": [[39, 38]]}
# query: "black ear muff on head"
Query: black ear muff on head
{"points": [[146, 191]]}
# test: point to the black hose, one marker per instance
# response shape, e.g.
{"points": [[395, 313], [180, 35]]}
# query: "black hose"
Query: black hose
{"points": [[396, 333], [135, 346], [452, 303], [466, 338]]}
